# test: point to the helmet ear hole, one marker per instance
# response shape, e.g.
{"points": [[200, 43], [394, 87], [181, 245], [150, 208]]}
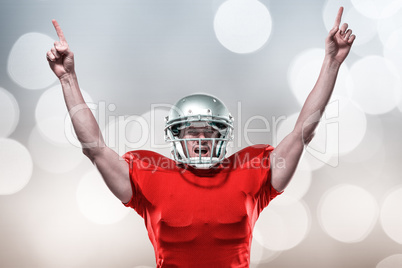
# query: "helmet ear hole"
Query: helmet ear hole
{"points": [[175, 130], [218, 125]]}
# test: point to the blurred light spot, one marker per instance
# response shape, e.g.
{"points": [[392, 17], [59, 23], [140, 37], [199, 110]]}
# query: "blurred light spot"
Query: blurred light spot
{"points": [[242, 26], [283, 224], [144, 132], [298, 186], [304, 71], [53, 157], [316, 154], [9, 113], [364, 27], [256, 251], [97, 202], [15, 165], [27, 64], [260, 254], [392, 49], [392, 261], [330, 11], [369, 147], [391, 9], [52, 117], [272, 229], [352, 125], [390, 21], [391, 215], [371, 8], [156, 122], [347, 213], [127, 133], [376, 84]]}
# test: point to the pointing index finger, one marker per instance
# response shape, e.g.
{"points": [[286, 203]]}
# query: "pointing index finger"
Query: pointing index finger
{"points": [[59, 31], [338, 18]]}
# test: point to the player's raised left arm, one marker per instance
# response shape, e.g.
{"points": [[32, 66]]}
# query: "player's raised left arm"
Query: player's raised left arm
{"points": [[290, 149]]}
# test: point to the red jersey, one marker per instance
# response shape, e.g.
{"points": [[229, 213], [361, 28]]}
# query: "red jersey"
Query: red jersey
{"points": [[201, 217]]}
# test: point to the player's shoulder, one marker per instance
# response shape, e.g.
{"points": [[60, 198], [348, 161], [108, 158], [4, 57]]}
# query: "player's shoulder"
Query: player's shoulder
{"points": [[255, 156], [142, 154], [146, 160], [254, 151]]}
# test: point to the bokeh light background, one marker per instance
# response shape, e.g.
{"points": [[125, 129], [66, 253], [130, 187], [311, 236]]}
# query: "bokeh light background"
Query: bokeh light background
{"points": [[135, 57]]}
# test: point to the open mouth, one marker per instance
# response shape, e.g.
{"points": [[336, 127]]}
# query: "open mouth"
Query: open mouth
{"points": [[201, 150]]}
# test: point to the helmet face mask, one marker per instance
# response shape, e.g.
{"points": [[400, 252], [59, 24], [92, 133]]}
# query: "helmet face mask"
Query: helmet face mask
{"points": [[199, 128]]}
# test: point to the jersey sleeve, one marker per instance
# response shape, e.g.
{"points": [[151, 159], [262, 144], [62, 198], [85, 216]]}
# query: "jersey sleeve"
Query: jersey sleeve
{"points": [[267, 191], [136, 197]]}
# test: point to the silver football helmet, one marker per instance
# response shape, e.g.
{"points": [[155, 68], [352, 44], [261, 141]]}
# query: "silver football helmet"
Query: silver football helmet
{"points": [[199, 111]]}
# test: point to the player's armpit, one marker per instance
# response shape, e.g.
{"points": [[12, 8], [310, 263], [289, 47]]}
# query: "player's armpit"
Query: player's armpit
{"points": [[289, 151], [115, 172]]}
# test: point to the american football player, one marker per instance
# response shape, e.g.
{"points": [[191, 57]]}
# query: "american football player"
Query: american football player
{"points": [[200, 206]]}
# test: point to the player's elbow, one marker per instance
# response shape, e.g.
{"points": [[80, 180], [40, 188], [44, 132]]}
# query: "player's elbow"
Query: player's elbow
{"points": [[87, 153], [92, 153], [307, 137], [304, 136]]}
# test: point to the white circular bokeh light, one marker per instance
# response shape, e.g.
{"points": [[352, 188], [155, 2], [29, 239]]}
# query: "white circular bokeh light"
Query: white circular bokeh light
{"points": [[298, 186], [364, 26], [392, 261], [352, 125], [392, 49], [391, 215], [9, 113], [304, 71], [371, 8], [27, 64], [376, 84], [370, 146], [15, 165], [96, 202], [260, 254], [348, 213], [52, 117], [390, 21], [127, 133], [283, 224], [316, 154], [242, 26], [156, 122], [53, 157], [138, 132]]}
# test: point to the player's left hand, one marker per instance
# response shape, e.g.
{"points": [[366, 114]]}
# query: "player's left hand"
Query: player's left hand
{"points": [[339, 41]]}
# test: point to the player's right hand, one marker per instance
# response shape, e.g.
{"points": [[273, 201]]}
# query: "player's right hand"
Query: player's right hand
{"points": [[339, 40], [60, 57]]}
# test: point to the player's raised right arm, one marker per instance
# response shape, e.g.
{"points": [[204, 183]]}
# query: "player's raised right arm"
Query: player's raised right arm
{"points": [[115, 171]]}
